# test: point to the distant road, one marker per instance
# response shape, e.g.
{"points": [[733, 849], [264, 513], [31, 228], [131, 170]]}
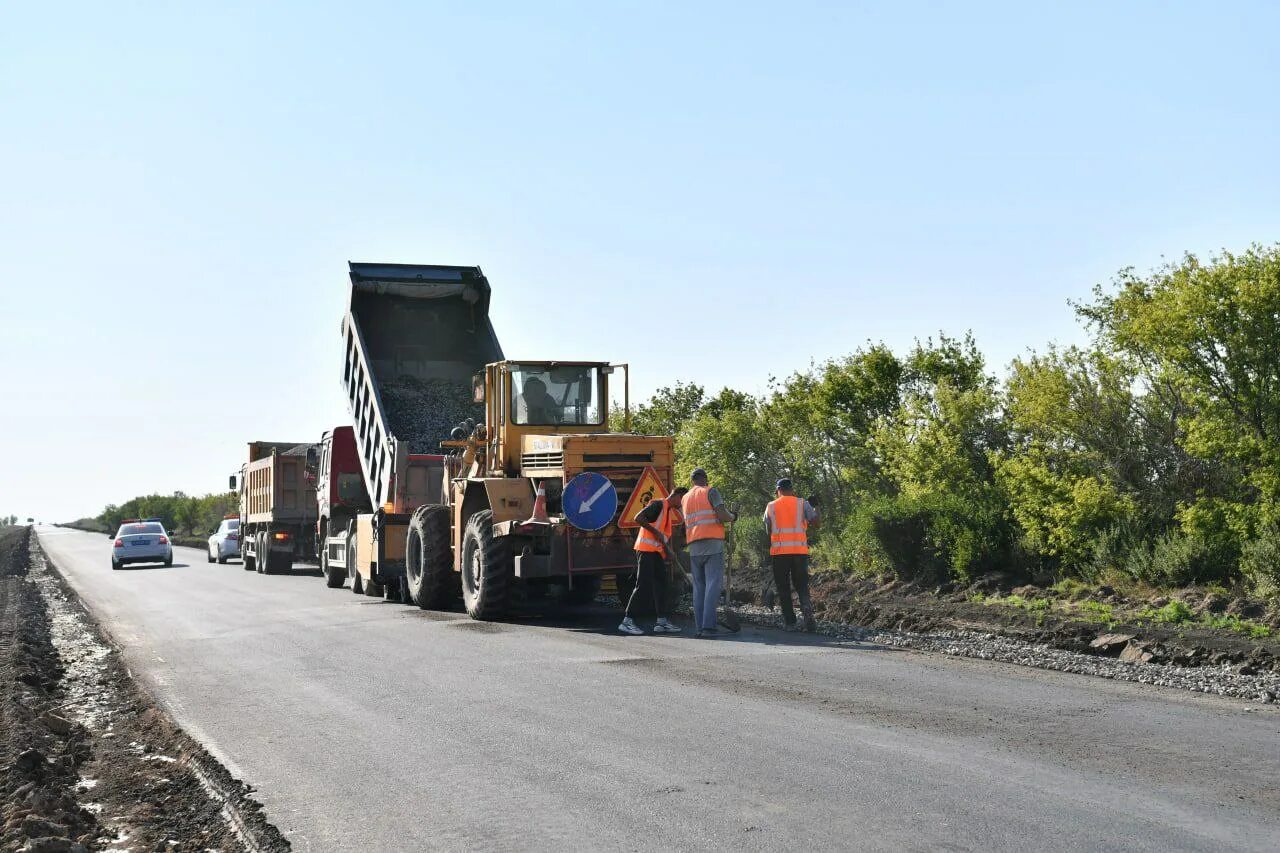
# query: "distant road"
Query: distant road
{"points": [[367, 725]]}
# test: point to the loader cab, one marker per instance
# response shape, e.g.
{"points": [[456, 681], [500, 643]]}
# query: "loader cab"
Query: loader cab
{"points": [[529, 398]]}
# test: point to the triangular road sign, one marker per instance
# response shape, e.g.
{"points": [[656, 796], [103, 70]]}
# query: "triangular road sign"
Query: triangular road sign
{"points": [[649, 488]]}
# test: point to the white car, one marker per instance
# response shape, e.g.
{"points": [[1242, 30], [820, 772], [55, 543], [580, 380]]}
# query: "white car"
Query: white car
{"points": [[141, 540], [225, 541]]}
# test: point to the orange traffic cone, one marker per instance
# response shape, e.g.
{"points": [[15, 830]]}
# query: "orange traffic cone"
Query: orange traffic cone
{"points": [[539, 508]]}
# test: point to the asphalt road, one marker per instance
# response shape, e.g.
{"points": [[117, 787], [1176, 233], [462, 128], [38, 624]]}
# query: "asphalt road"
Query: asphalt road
{"points": [[367, 725]]}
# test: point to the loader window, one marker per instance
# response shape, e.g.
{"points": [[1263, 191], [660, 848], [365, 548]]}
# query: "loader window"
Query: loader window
{"points": [[548, 395]]}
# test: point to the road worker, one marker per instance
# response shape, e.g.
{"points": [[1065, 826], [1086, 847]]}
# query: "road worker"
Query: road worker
{"points": [[653, 549], [705, 516], [787, 520]]}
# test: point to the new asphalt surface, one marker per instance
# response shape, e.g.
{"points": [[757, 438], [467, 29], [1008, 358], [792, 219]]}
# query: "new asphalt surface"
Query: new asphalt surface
{"points": [[370, 725]]}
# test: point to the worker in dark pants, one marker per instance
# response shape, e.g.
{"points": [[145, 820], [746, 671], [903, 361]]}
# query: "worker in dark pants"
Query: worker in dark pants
{"points": [[653, 547], [787, 520]]}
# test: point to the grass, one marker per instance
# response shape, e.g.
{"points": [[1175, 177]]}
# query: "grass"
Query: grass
{"points": [[1071, 592], [1097, 611], [1173, 613], [1248, 627]]}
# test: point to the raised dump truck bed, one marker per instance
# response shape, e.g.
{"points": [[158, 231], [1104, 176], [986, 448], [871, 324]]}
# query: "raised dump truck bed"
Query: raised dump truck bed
{"points": [[414, 336]]}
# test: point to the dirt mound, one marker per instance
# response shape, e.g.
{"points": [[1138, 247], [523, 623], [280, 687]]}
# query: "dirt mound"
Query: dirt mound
{"points": [[89, 760], [1031, 616], [41, 751]]}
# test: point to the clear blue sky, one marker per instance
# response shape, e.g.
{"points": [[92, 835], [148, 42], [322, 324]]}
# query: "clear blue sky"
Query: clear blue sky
{"points": [[712, 192]]}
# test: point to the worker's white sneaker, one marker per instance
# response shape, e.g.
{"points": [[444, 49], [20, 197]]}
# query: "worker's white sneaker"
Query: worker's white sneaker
{"points": [[665, 627], [630, 627]]}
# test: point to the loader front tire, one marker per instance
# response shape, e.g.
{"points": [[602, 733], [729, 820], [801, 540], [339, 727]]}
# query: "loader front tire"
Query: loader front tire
{"points": [[486, 569], [428, 564]]}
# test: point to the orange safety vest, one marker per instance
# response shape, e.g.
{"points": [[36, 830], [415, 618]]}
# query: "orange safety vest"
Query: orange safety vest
{"points": [[700, 520], [645, 541], [787, 526]]}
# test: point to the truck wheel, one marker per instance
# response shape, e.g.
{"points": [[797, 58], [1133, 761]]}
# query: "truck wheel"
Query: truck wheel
{"points": [[428, 559], [486, 569], [334, 577], [584, 590], [264, 553], [249, 563]]}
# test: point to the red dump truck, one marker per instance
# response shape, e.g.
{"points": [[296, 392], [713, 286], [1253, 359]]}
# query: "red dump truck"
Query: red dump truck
{"points": [[277, 505], [341, 495]]}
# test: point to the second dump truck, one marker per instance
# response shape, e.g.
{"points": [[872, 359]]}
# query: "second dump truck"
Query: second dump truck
{"points": [[277, 506], [455, 443]]}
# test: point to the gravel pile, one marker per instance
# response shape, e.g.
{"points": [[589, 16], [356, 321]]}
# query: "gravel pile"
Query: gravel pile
{"points": [[423, 411], [1219, 680]]}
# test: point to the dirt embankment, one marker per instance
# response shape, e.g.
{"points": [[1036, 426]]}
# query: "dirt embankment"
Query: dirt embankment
{"points": [[1098, 622], [90, 762]]}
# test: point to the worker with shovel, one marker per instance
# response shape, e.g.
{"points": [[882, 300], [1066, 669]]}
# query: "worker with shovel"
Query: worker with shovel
{"points": [[787, 520], [653, 547], [705, 516]]}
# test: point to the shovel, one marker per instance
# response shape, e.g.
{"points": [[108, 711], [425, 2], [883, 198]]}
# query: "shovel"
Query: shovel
{"points": [[725, 616]]}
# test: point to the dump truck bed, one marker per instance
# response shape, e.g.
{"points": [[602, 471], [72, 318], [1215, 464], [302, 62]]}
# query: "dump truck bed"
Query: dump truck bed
{"points": [[276, 489], [413, 336]]}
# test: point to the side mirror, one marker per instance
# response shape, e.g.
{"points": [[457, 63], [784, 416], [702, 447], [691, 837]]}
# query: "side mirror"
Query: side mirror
{"points": [[231, 483]]}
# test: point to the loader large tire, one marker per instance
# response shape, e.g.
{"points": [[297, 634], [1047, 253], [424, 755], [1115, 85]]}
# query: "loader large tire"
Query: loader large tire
{"points": [[428, 559], [486, 569]]}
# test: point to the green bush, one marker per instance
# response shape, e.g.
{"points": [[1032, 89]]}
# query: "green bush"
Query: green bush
{"points": [[932, 538], [1260, 562], [1176, 559]]}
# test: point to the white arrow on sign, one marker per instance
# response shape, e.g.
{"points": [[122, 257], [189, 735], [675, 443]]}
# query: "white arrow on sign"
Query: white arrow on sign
{"points": [[586, 505]]}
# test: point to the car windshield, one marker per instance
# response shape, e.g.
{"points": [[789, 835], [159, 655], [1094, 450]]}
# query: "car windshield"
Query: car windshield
{"points": [[555, 394], [134, 529], [232, 524]]}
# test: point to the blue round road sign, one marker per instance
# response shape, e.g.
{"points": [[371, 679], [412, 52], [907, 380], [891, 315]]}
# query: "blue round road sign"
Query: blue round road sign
{"points": [[590, 501]]}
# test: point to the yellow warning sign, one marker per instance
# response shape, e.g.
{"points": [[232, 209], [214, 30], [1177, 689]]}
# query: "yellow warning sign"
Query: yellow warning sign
{"points": [[648, 489]]}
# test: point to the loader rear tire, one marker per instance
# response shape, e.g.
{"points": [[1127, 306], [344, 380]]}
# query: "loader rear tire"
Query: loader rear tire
{"points": [[486, 569], [357, 582], [428, 563], [372, 588]]}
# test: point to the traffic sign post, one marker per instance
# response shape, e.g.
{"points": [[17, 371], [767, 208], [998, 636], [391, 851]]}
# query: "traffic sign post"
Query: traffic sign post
{"points": [[589, 501], [649, 488]]}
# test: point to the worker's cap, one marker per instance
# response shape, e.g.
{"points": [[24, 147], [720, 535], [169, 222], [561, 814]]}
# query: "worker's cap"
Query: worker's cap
{"points": [[784, 483], [698, 474]]}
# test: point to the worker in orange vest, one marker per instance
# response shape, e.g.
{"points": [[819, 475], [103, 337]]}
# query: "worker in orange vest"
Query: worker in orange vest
{"points": [[787, 520], [705, 516], [653, 548]]}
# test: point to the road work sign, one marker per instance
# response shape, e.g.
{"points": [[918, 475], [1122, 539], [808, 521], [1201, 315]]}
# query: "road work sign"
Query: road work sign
{"points": [[648, 489], [590, 501]]}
